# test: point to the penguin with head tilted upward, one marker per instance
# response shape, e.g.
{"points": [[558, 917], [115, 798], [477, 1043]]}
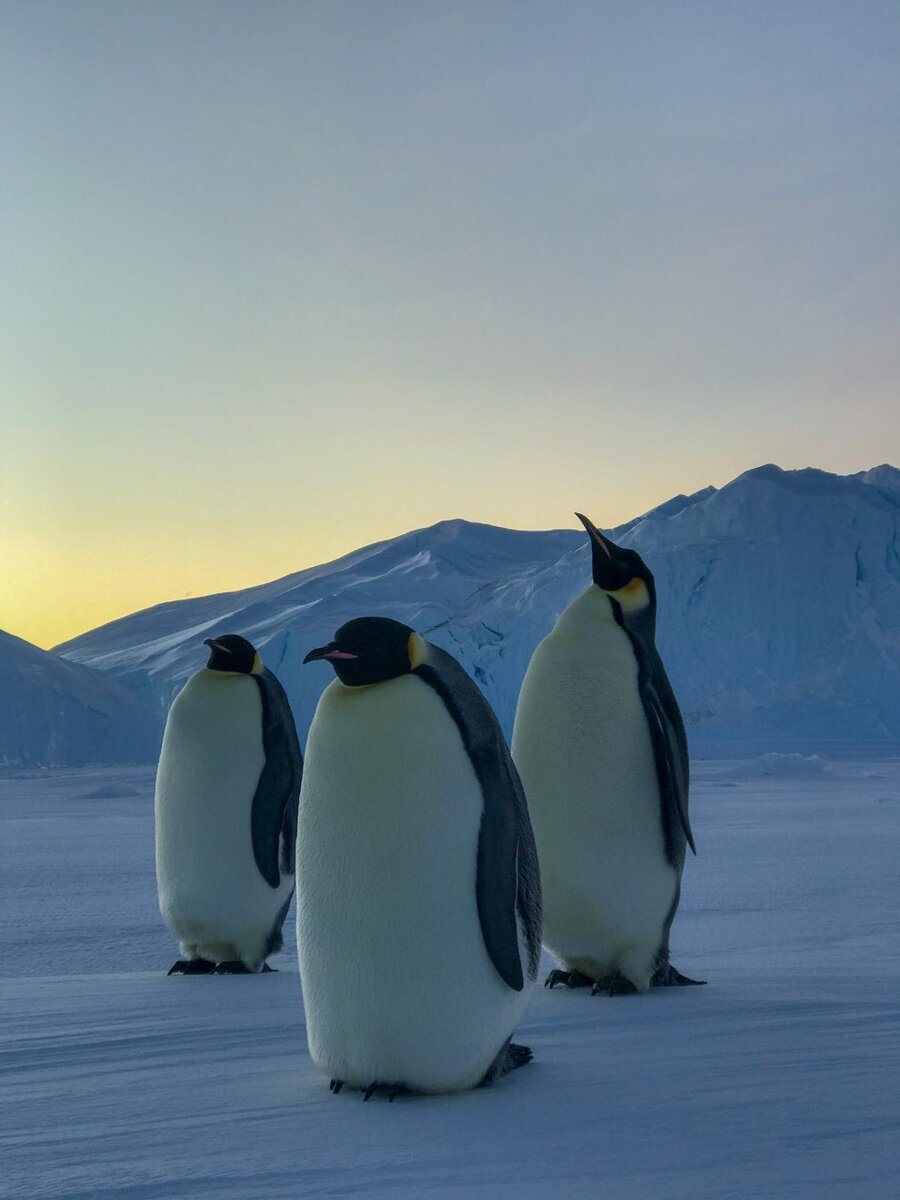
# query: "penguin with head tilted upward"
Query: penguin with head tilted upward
{"points": [[227, 790], [601, 749], [418, 902]]}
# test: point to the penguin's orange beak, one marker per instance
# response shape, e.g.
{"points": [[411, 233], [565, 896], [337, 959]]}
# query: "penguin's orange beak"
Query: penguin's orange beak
{"points": [[213, 645]]}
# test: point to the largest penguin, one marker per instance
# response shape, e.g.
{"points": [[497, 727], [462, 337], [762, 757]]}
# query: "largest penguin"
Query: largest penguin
{"points": [[227, 789], [601, 749], [418, 899]]}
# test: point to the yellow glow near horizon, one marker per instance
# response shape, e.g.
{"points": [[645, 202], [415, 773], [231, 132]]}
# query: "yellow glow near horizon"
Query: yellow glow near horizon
{"points": [[81, 575], [349, 272], [52, 595]]}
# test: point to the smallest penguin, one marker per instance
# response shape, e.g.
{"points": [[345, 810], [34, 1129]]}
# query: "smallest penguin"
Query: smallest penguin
{"points": [[227, 790]]}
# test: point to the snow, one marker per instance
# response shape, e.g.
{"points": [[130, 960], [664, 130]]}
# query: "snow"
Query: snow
{"points": [[796, 766], [777, 1081], [57, 712], [779, 610]]}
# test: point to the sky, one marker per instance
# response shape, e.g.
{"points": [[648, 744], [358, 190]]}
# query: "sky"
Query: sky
{"points": [[282, 279]]}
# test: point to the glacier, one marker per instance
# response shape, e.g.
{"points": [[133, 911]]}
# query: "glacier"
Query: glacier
{"points": [[59, 713], [779, 609]]}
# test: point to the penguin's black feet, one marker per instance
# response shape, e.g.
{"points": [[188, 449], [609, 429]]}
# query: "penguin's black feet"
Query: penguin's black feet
{"points": [[235, 967], [510, 1058], [569, 979], [613, 985], [667, 976], [517, 1056], [335, 1085], [382, 1089], [192, 966]]}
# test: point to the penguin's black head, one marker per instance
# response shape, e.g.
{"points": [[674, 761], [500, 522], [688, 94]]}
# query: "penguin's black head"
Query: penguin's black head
{"points": [[620, 572], [369, 650], [229, 652]]}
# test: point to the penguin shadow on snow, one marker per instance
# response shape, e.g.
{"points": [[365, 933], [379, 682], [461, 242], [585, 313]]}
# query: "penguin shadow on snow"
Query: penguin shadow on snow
{"points": [[227, 790]]}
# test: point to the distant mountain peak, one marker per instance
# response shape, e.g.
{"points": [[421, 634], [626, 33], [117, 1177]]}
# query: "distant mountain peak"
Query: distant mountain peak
{"points": [[884, 476], [677, 504], [778, 615]]}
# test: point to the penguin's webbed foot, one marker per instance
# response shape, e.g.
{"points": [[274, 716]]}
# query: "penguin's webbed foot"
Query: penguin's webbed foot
{"points": [[667, 976], [234, 967], [335, 1085], [383, 1089], [569, 979], [191, 966], [510, 1058], [613, 985]]}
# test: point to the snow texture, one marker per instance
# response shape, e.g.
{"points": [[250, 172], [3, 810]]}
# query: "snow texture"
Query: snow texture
{"points": [[779, 604], [776, 1081], [57, 712]]}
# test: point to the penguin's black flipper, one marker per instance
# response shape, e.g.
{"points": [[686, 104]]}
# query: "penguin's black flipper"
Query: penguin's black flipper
{"points": [[670, 753], [508, 889], [670, 748], [273, 817]]}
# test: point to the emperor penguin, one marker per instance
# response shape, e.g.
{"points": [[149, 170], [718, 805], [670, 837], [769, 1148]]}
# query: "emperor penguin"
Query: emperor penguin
{"points": [[601, 749], [418, 901], [227, 790]]}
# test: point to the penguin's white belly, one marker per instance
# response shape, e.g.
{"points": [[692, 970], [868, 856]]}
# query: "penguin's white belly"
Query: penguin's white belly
{"points": [[584, 752], [211, 893], [397, 983]]}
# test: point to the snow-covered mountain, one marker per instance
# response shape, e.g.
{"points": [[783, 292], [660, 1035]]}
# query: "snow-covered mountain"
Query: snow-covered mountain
{"points": [[779, 599], [54, 712]]}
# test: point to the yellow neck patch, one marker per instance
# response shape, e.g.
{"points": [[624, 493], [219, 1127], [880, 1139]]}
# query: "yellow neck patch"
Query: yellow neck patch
{"points": [[417, 649], [633, 596], [257, 668]]}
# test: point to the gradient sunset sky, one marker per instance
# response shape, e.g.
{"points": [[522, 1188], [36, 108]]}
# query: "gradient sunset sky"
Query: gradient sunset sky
{"points": [[281, 279]]}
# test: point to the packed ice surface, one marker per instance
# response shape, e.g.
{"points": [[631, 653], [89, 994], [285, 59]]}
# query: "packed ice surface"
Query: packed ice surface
{"points": [[776, 1081], [779, 600]]}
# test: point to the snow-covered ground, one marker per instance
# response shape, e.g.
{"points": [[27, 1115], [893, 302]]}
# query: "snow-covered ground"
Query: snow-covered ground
{"points": [[776, 1081]]}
